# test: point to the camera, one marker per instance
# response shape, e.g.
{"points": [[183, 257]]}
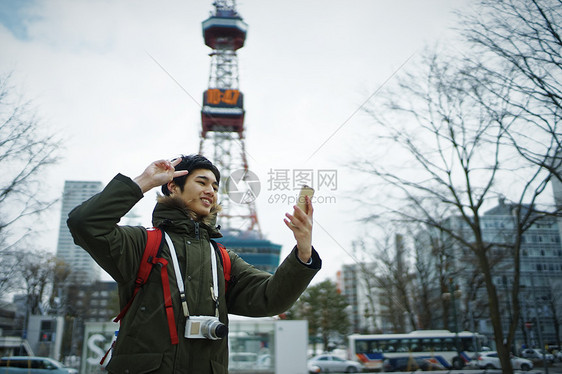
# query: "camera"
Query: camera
{"points": [[205, 327]]}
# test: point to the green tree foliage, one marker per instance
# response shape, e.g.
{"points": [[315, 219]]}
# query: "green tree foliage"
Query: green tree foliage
{"points": [[324, 308]]}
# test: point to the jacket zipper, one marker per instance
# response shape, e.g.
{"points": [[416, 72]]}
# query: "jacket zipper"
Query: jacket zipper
{"points": [[197, 230]]}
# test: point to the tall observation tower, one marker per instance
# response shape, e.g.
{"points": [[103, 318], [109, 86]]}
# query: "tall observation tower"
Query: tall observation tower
{"points": [[222, 138]]}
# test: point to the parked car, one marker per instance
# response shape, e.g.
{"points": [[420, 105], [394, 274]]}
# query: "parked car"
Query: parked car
{"points": [[536, 355], [327, 363], [490, 360], [33, 365]]}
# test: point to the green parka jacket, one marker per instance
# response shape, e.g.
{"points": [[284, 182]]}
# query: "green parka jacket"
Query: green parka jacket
{"points": [[143, 344]]}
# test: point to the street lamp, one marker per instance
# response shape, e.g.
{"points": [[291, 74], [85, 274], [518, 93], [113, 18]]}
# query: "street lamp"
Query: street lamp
{"points": [[452, 295]]}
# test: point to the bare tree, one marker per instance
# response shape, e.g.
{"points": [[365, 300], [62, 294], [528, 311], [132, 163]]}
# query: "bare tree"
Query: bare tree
{"points": [[26, 151], [519, 47], [521, 43], [37, 273], [455, 138], [433, 256], [388, 277]]}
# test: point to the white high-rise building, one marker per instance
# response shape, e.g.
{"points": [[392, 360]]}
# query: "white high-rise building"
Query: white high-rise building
{"points": [[83, 267], [357, 284]]}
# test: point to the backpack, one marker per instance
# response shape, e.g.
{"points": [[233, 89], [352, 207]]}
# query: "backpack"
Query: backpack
{"points": [[149, 260]]}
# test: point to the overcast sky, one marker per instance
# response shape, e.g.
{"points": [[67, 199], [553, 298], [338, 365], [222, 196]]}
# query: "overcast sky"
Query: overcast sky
{"points": [[307, 66]]}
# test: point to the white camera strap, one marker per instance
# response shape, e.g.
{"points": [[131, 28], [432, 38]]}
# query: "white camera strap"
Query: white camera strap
{"points": [[179, 279]]}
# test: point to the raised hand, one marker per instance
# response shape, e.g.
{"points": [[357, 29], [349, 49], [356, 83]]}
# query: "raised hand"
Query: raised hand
{"points": [[158, 173], [300, 223]]}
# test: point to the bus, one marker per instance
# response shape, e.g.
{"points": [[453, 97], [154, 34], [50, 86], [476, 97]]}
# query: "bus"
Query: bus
{"points": [[436, 349]]}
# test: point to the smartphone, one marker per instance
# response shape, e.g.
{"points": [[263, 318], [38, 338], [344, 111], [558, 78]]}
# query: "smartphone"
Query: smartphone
{"points": [[301, 201]]}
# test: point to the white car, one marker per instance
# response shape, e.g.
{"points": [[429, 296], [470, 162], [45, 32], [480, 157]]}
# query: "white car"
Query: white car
{"points": [[327, 363], [33, 365], [490, 360], [536, 355]]}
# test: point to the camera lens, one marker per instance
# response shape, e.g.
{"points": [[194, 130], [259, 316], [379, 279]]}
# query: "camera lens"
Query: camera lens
{"points": [[214, 329], [221, 330]]}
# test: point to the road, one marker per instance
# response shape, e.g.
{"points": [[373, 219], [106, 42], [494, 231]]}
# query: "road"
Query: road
{"points": [[553, 369]]}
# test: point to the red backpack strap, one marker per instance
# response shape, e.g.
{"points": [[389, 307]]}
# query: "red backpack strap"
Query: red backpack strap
{"points": [[154, 238], [149, 259], [168, 300], [152, 246]]}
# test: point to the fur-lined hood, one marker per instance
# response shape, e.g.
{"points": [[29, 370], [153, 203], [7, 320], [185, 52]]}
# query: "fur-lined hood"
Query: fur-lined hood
{"points": [[172, 210]]}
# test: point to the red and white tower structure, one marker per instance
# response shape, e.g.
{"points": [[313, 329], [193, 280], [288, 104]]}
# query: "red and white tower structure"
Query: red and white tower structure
{"points": [[222, 118]]}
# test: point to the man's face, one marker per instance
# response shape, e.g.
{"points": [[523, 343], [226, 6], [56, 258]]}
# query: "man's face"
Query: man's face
{"points": [[199, 192]]}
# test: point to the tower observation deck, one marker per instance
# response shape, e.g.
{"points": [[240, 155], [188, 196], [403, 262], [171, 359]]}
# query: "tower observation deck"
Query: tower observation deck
{"points": [[223, 104], [222, 138]]}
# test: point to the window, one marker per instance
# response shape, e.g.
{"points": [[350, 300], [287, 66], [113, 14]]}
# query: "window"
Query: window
{"points": [[361, 346], [449, 344], [427, 345], [392, 345], [437, 345], [415, 345]]}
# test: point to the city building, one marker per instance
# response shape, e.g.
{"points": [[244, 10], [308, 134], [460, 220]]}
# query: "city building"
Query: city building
{"points": [[373, 303], [8, 325], [94, 303], [540, 275], [83, 268], [97, 302], [557, 194], [455, 274], [252, 248], [357, 288]]}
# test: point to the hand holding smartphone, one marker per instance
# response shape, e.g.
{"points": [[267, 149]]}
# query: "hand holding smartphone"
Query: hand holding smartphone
{"points": [[301, 201]]}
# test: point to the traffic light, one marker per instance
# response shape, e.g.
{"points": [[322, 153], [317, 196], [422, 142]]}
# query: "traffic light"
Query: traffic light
{"points": [[46, 331]]}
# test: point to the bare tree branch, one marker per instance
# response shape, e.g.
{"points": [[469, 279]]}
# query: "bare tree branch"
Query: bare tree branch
{"points": [[27, 150]]}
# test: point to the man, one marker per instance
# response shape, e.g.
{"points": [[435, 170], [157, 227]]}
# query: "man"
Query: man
{"points": [[187, 214]]}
